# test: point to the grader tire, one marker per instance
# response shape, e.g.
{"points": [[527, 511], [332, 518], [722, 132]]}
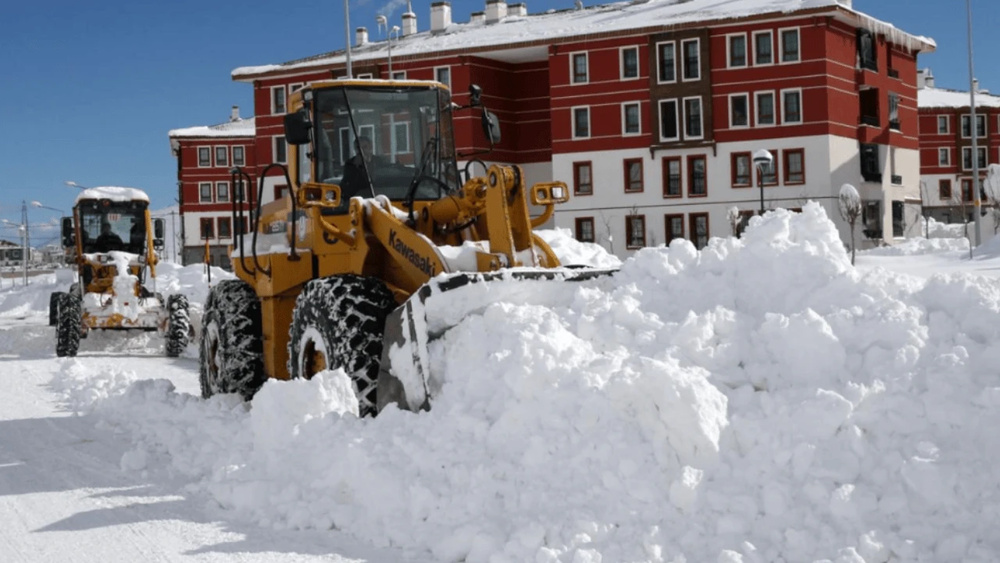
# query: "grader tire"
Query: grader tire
{"points": [[230, 354], [338, 322], [69, 323], [54, 298], [178, 325]]}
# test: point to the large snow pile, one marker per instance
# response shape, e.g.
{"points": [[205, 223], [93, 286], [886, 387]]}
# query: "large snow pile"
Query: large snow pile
{"points": [[757, 401]]}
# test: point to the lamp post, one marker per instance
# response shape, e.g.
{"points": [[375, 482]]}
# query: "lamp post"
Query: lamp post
{"points": [[974, 133], [73, 184], [761, 159]]}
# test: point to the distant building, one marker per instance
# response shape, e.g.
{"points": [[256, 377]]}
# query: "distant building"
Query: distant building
{"points": [[946, 147], [206, 156]]}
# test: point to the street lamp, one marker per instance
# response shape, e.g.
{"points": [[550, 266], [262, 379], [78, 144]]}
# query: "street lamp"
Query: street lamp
{"points": [[39, 205], [73, 184], [762, 159], [384, 23]]}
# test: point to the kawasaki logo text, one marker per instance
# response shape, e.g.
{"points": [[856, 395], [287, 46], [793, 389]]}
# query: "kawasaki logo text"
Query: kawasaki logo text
{"points": [[421, 262]]}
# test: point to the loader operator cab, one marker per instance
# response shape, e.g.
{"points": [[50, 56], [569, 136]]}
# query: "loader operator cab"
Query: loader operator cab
{"points": [[407, 125], [107, 226]]}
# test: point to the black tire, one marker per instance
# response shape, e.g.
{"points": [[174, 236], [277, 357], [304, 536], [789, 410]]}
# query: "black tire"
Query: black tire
{"points": [[68, 325], [338, 322], [54, 298], [230, 353], [178, 333]]}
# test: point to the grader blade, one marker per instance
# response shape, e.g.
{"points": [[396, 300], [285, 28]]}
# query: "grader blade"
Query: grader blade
{"points": [[404, 372]]}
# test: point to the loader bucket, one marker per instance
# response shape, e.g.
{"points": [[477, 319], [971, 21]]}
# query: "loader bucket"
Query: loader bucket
{"points": [[404, 375]]}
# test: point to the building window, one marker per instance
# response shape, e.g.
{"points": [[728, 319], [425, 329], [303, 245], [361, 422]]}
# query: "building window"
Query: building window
{"points": [[280, 191], [944, 157], [221, 156], [225, 227], [699, 230], [894, 111], [205, 192], [672, 177], [770, 171], [692, 118], [697, 182], [579, 61], [942, 125], [668, 121], [790, 45], [207, 228], [763, 48], [633, 175], [967, 158], [204, 157], [870, 169], [280, 150], [692, 59], [944, 189], [399, 75], [443, 75], [665, 62], [898, 219], [795, 166], [673, 227], [582, 182], [585, 229], [791, 106], [739, 110], [765, 108], [222, 191], [295, 87], [581, 123], [630, 119], [967, 189], [630, 63], [737, 51], [980, 126], [277, 100], [635, 231], [866, 50], [401, 137], [239, 158], [740, 169]]}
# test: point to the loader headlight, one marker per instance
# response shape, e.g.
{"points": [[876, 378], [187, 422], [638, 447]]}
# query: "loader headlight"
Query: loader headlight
{"points": [[558, 192]]}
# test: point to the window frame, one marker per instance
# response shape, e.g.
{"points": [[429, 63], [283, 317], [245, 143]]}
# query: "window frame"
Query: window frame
{"points": [[276, 141], [437, 75], [966, 186], [979, 150], [201, 192], [398, 75], [659, 62], [668, 234], [573, 76], [243, 155], [729, 50], [946, 152], [665, 168], [690, 175], [638, 119], [678, 124], [229, 227], [577, 166], [967, 117], [770, 41], [944, 189], [215, 156], [627, 177], [209, 232], [775, 169], [275, 110], [573, 114], [774, 108], [781, 45], [621, 62], [786, 168], [947, 124], [869, 62], [684, 67], [746, 102], [629, 231], [692, 218], [701, 118], [578, 222], [218, 192], [734, 168], [893, 104], [784, 107], [207, 162]]}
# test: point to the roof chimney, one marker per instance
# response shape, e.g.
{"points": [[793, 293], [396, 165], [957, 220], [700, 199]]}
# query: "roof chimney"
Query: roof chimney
{"points": [[975, 85], [477, 17], [519, 9], [409, 21], [440, 16], [496, 10], [925, 79], [234, 114], [360, 36]]}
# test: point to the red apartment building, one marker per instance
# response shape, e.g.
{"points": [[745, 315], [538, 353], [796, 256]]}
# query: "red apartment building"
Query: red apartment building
{"points": [[946, 165], [652, 111], [206, 156]]}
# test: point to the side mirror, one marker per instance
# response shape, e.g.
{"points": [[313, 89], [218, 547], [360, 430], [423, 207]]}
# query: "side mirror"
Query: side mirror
{"points": [[158, 233], [491, 126], [297, 127], [68, 235]]}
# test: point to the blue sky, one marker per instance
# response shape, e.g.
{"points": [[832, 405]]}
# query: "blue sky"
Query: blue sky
{"points": [[92, 88]]}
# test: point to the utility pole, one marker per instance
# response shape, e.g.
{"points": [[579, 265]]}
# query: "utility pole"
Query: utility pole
{"points": [[973, 125], [347, 37], [26, 251]]}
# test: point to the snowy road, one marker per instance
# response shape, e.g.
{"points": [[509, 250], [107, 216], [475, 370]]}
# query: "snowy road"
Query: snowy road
{"points": [[64, 497]]}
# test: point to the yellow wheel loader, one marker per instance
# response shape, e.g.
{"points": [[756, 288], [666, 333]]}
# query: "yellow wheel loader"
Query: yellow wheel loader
{"points": [[113, 243], [377, 218]]}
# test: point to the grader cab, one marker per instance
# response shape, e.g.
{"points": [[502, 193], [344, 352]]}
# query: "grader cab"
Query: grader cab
{"points": [[335, 274]]}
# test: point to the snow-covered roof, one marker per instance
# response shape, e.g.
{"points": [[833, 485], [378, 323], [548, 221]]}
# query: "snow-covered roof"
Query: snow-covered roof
{"points": [[943, 98], [523, 32], [236, 128], [114, 193]]}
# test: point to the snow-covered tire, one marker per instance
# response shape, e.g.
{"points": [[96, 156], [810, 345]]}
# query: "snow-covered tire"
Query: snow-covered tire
{"points": [[230, 354], [54, 298], [69, 323], [338, 322], [178, 325]]}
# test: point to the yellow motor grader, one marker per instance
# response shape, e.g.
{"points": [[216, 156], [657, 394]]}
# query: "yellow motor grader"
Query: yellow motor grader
{"points": [[377, 218], [113, 243]]}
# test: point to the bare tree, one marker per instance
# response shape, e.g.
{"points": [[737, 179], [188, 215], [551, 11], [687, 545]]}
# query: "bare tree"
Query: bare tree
{"points": [[733, 216], [958, 200], [606, 221], [850, 210]]}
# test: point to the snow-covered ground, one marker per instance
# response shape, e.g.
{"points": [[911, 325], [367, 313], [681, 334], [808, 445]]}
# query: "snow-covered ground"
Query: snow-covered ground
{"points": [[759, 401]]}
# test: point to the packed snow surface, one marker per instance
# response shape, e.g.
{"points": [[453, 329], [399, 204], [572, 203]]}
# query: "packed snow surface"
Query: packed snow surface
{"points": [[760, 400]]}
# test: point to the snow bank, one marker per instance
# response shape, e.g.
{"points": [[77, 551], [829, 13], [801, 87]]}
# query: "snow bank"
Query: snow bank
{"points": [[759, 400]]}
